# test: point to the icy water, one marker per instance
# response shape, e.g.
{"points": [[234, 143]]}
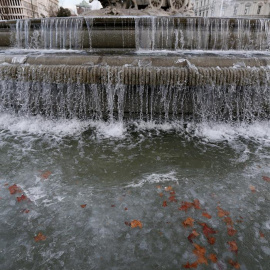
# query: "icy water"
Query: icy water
{"points": [[86, 182]]}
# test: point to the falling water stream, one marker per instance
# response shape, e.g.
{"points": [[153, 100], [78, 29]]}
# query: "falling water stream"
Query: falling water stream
{"points": [[92, 156]]}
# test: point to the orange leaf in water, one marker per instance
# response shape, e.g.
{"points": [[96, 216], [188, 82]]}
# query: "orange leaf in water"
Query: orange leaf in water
{"points": [[211, 240], [161, 194], [127, 223], [193, 235], [83, 205], [236, 265], [164, 204], [172, 199], [213, 257], [22, 198], [233, 246], [207, 230], [45, 175], [200, 253], [205, 214], [126, 209], [136, 223], [228, 221], [266, 178], [169, 188], [222, 213], [188, 222], [252, 188], [196, 204], [190, 266], [231, 231], [40, 237], [185, 206], [261, 235], [14, 189]]}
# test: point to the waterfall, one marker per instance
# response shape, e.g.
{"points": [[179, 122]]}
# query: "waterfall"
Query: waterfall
{"points": [[22, 33], [197, 33], [145, 33], [136, 92], [62, 33]]}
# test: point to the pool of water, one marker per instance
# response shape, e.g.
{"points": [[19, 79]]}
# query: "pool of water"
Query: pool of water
{"points": [[86, 183]]}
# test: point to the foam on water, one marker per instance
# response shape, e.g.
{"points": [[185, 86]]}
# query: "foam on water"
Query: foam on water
{"points": [[258, 132], [155, 179], [215, 132], [38, 125]]}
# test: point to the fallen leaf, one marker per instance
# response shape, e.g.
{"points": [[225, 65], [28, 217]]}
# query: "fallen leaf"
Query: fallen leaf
{"points": [[211, 240], [266, 178], [205, 214], [207, 230], [159, 187], [83, 205], [172, 193], [233, 246], [164, 204], [193, 235], [231, 231], [6, 184], [188, 222], [185, 206], [200, 253], [201, 259], [22, 198], [222, 213], [113, 205], [190, 266], [14, 189], [252, 188], [261, 235], [127, 223], [213, 257], [126, 209], [228, 221], [45, 175], [40, 237], [169, 188], [172, 199], [236, 265], [136, 223], [161, 194], [26, 211], [196, 204]]}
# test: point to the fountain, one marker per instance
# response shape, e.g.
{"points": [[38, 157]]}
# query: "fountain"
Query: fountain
{"points": [[137, 142], [106, 71]]}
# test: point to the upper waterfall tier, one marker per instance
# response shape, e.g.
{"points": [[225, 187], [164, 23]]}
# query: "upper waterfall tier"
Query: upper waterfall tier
{"points": [[140, 33]]}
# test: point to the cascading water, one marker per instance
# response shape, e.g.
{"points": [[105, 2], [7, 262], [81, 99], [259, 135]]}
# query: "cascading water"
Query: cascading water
{"points": [[163, 33], [235, 93], [61, 33], [119, 156]]}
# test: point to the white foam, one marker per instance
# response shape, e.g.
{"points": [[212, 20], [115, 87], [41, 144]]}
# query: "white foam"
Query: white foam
{"points": [[152, 125], [109, 130], [39, 125], [155, 179], [258, 131]]}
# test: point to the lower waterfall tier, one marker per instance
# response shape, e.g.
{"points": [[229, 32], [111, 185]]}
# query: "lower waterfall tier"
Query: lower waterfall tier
{"points": [[105, 88]]}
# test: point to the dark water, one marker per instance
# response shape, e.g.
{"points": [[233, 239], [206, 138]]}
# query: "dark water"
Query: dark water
{"points": [[119, 170]]}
